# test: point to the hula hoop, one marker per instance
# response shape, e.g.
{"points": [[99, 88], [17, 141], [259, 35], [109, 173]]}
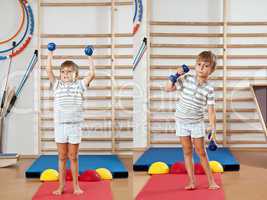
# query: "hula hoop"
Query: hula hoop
{"points": [[29, 28], [135, 10], [20, 26], [140, 16], [27, 41]]}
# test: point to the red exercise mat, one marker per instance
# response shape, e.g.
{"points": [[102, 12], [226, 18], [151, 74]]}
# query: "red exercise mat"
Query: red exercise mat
{"points": [[171, 187], [92, 190]]}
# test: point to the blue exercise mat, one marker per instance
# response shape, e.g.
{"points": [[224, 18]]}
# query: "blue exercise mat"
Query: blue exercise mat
{"points": [[172, 155], [86, 162]]}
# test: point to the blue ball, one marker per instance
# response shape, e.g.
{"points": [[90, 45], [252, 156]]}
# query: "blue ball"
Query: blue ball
{"points": [[89, 50], [51, 46]]}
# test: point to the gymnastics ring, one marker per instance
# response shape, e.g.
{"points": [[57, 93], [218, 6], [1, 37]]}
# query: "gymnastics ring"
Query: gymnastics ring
{"points": [[30, 24], [20, 26]]}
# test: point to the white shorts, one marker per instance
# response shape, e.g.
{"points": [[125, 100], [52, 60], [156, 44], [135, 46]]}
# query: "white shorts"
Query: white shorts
{"points": [[68, 133], [195, 130]]}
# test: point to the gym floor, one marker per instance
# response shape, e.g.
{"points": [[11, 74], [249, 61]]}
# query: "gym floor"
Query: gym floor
{"points": [[14, 185], [247, 184]]}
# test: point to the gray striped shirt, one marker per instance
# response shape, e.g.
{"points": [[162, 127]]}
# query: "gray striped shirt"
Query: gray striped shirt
{"points": [[68, 101], [194, 99]]}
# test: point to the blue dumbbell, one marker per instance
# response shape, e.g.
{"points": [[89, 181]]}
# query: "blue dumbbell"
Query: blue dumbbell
{"points": [[212, 145], [51, 46], [89, 50], [173, 78]]}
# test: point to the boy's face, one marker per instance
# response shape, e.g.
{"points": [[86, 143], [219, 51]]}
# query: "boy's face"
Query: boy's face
{"points": [[203, 68], [67, 74]]}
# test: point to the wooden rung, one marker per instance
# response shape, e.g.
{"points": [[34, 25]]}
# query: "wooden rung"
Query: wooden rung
{"points": [[58, 57], [85, 4], [206, 120], [102, 118], [161, 56], [217, 110], [100, 35], [96, 66], [218, 132], [46, 88], [178, 23], [166, 67], [207, 46], [126, 108], [96, 46], [95, 98], [94, 129], [238, 78], [166, 142], [214, 35], [247, 35], [217, 141], [245, 99], [208, 35], [99, 77], [216, 88], [93, 139]]}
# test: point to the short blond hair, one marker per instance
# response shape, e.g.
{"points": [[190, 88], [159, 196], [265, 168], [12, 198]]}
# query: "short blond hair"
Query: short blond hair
{"points": [[71, 64], [208, 56]]}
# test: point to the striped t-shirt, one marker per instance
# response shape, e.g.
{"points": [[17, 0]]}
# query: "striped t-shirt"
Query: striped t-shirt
{"points": [[194, 99], [68, 101]]}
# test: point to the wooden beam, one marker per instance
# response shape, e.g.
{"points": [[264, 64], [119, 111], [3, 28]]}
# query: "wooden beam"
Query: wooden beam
{"points": [[220, 132], [113, 100], [97, 67], [197, 23], [168, 56], [241, 99], [86, 4], [94, 139], [229, 67], [92, 35], [208, 35], [237, 78], [207, 46], [225, 78], [59, 57], [93, 129], [217, 110], [122, 77], [96, 46]]}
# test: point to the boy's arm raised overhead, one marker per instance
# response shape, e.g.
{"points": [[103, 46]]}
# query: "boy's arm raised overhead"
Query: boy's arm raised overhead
{"points": [[49, 69], [88, 79]]}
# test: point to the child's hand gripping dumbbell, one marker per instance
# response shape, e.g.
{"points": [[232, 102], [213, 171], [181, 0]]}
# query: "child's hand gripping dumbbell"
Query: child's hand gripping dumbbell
{"points": [[212, 139], [180, 71]]}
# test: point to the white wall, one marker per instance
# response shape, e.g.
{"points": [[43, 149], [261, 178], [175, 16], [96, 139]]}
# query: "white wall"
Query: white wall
{"points": [[21, 131], [204, 11], [20, 125]]}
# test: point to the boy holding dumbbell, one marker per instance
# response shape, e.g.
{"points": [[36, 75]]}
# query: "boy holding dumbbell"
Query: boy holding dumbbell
{"points": [[68, 103], [196, 94]]}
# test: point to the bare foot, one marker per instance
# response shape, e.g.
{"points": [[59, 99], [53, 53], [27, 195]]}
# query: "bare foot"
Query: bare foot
{"points": [[78, 191], [214, 186], [190, 186], [58, 191]]}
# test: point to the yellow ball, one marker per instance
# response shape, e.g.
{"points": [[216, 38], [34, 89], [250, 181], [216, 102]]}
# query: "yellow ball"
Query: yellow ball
{"points": [[49, 175], [158, 168], [104, 173], [216, 166]]}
